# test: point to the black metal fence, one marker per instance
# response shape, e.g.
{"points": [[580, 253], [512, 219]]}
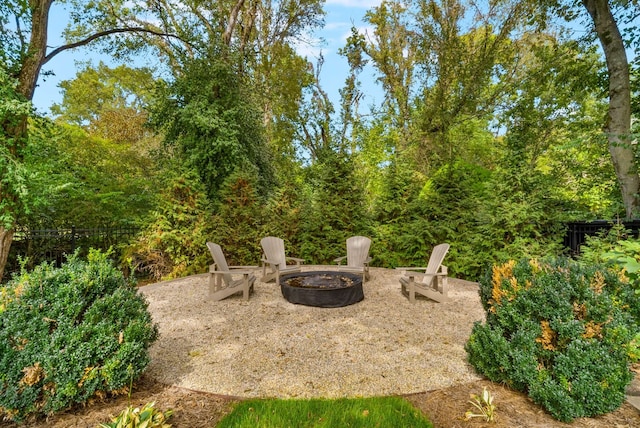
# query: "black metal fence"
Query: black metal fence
{"points": [[53, 245], [577, 231]]}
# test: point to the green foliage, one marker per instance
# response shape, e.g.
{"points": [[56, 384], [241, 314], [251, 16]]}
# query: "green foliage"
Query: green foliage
{"points": [[13, 175], [392, 208], [560, 331], [121, 89], [334, 210], [86, 181], [208, 115], [15, 20], [616, 248], [147, 417], [69, 334], [174, 242], [284, 211], [239, 220], [448, 210], [521, 216], [411, 221], [317, 413]]}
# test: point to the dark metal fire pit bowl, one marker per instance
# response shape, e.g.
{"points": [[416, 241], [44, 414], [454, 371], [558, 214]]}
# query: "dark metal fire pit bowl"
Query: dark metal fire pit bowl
{"points": [[325, 289]]}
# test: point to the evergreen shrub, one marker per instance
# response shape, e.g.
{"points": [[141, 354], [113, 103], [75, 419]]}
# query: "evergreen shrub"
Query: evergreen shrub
{"points": [[173, 244], [69, 334], [560, 331]]}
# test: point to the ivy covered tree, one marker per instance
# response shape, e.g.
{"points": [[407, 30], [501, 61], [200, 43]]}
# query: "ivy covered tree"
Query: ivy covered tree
{"points": [[172, 32], [209, 117], [14, 109]]}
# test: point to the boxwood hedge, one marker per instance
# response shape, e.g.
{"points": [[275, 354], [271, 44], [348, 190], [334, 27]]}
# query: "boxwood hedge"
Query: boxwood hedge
{"points": [[68, 334], [559, 331]]}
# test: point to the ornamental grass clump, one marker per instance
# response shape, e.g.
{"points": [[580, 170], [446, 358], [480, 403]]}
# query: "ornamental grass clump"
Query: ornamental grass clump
{"points": [[69, 334], [559, 331]]}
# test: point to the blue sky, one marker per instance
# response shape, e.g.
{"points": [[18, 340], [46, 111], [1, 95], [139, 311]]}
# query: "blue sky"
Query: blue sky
{"points": [[341, 15]]}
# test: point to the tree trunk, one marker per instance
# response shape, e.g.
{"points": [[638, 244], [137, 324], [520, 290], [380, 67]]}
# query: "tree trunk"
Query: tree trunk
{"points": [[6, 238], [618, 126], [27, 79], [37, 48]]}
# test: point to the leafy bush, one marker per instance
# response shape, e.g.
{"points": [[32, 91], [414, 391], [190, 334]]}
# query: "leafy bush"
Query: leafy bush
{"points": [[173, 244], [560, 331], [616, 248], [68, 334]]}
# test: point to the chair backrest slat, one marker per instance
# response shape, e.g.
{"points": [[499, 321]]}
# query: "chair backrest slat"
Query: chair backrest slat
{"points": [[273, 249], [219, 260], [357, 250], [437, 256]]}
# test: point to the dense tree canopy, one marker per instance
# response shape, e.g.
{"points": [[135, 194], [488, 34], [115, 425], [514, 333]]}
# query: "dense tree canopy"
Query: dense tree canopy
{"points": [[489, 136]]}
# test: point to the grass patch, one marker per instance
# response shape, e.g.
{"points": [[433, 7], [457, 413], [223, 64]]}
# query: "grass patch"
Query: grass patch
{"points": [[344, 412]]}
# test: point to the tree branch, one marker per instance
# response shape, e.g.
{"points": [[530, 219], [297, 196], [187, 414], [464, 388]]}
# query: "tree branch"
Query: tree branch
{"points": [[105, 33]]}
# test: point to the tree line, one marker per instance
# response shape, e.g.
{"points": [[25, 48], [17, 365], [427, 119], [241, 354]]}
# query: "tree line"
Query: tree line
{"points": [[497, 125]]}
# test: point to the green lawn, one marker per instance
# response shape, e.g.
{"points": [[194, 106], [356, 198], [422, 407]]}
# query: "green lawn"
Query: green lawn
{"points": [[357, 412]]}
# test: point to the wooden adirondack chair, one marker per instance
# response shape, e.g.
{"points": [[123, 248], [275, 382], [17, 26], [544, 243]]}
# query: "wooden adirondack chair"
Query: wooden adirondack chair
{"points": [[221, 276], [433, 282], [274, 258], [357, 256]]}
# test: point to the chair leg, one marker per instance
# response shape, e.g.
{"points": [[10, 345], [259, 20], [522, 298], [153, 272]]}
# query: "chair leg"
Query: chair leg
{"points": [[245, 290], [214, 283], [412, 293]]}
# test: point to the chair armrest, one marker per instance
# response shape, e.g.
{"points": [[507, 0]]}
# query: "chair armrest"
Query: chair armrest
{"points": [[243, 267], [295, 259], [269, 261], [422, 275], [339, 259], [441, 272], [233, 272]]}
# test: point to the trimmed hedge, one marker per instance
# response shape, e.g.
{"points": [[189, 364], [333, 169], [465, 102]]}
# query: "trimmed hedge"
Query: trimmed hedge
{"points": [[69, 334], [559, 331]]}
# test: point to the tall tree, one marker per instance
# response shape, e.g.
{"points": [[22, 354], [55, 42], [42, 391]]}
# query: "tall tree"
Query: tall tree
{"points": [[443, 63], [618, 123], [13, 108], [175, 31], [116, 106], [392, 49], [210, 118], [24, 33]]}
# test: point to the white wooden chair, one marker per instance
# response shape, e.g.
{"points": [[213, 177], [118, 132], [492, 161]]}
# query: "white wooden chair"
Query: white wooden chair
{"points": [[275, 260], [432, 282], [221, 276], [357, 256]]}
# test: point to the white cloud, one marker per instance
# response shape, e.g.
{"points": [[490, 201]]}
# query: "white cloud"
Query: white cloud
{"points": [[363, 4], [310, 45], [339, 26]]}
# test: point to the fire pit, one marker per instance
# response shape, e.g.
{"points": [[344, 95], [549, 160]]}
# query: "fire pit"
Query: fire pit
{"points": [[326, 289]]}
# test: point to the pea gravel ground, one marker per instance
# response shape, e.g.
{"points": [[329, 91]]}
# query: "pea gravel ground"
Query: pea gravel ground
{"points": [[268, 347]]}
